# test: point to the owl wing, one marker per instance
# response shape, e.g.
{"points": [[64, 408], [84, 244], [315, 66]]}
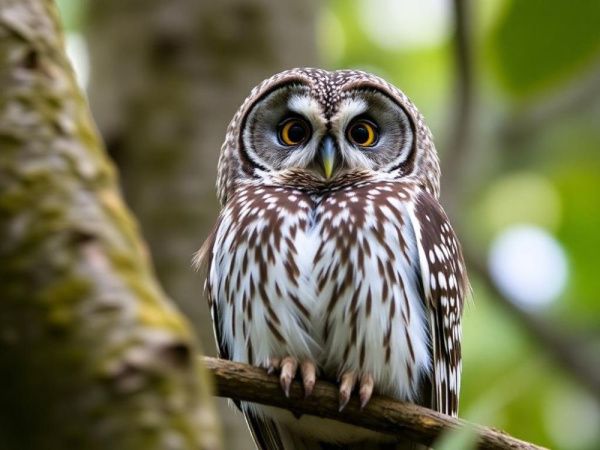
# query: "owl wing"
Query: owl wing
{"points": [[265, 432], [201, 262], [444, 284]]}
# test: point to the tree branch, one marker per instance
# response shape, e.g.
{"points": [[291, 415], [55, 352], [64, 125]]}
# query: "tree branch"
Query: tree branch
{"points": [[520, 126], [462, 112], [563, 347], [247, 383]]}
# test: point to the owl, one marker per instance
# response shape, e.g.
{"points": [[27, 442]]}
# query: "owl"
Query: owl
{"points": [[331, 257]]}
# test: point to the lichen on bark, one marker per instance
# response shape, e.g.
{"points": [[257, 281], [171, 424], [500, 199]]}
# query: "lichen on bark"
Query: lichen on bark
{"points": [[92, 353]]}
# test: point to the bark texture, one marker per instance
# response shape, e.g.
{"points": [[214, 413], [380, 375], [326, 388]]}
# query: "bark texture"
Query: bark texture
{"points": [[405, 420], [92, 354], [167, 76]]}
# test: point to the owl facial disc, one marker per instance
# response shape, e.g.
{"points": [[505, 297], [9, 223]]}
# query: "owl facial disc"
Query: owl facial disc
{"points": [[324, 125]]}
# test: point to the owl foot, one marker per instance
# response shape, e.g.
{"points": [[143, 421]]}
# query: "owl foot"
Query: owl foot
{"points": [[366, 390], [347, 383], [309, 376], [288, 367]]}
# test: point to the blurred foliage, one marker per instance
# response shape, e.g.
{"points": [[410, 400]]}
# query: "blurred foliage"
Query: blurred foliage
{"points": [[526, 52], [72, 13], [579, 185], [540, 43]]}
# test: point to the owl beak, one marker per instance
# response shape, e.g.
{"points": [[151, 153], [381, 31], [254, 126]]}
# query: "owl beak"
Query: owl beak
{"points": [[327, 155]]}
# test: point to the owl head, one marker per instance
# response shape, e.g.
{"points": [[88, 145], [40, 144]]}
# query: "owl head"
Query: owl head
{"points": [[319, 126]]}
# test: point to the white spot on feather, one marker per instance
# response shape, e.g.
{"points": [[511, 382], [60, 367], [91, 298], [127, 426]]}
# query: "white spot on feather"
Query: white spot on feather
{"points": [[431, 256], [442, 280]]}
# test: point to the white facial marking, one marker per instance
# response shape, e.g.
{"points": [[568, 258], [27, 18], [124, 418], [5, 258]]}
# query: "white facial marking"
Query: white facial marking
{"points": [[307, 107], [347, 111]]}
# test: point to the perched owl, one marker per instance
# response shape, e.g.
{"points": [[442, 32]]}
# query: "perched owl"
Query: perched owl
{"points": [[332, 256]]}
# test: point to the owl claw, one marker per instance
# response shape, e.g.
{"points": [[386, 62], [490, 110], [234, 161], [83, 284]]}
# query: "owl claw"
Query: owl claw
{"points": [[348, 380], [308, 370], [289, 367], [366, 390], [272, 365]]}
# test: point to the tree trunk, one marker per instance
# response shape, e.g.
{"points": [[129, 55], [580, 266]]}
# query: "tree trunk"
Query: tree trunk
{"points": [[92, 354], [167, 76]]}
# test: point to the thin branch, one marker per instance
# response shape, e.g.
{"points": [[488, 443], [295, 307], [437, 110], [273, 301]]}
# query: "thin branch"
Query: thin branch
{"points": [[580, 95], [408, 421], [563, 347], [462, 112]]}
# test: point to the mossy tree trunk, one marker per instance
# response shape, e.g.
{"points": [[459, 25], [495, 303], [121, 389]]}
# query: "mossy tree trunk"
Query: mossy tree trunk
{"points": [[92, 354], [167, 76]]}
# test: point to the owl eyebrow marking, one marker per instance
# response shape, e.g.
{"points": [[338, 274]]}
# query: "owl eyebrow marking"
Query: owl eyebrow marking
{"points": [[352, 107], [307, 107], [348, 110]]}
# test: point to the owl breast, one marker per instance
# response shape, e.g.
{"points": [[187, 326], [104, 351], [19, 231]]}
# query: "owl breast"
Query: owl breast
{"points": [[328, 275]]}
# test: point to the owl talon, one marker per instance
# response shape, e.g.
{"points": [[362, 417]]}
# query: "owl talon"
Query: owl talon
{"points": [[272, 365], [289, 367], [346, 387], [366, 390], [308, 370]]}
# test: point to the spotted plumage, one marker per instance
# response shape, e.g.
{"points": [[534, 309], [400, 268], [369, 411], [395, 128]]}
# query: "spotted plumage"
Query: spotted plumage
{"points": [[332, 256]]}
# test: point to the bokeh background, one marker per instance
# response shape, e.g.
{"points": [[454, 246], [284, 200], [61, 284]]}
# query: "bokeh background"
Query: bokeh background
{"points": [[511, 91]]}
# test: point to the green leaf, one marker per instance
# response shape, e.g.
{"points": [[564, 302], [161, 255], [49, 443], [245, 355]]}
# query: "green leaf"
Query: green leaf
{"points": [[537, 44]]}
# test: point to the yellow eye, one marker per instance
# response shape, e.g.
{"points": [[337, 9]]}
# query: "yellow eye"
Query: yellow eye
{"points": [[293, 132], [363, 133]]}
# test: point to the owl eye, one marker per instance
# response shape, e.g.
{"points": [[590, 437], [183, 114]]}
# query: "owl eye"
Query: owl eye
{"points": [[293, 132], [363, 133]]}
